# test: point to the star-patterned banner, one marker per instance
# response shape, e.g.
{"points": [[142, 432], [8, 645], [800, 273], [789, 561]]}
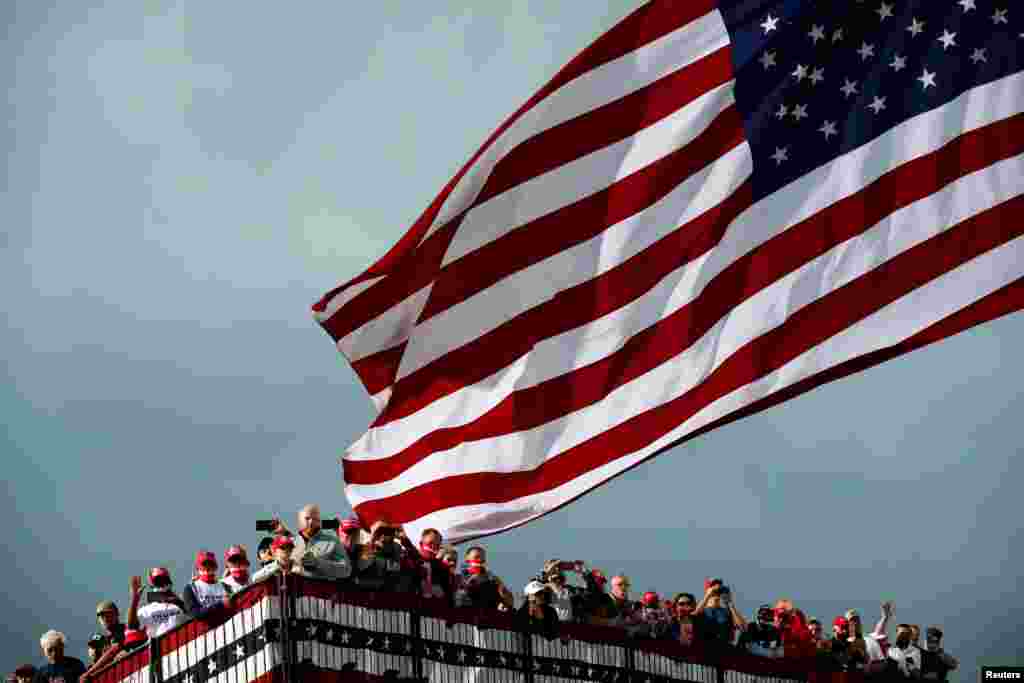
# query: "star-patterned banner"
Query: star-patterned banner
{"points": [[288, 635]]}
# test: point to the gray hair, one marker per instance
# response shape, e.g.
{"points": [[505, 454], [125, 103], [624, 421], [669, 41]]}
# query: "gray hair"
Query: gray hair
{"points": [[51, 637]]}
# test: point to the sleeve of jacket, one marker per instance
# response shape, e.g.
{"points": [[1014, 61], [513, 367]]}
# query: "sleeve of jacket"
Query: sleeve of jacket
{"points": [[265, 573], [327, 556], [191, 602]]}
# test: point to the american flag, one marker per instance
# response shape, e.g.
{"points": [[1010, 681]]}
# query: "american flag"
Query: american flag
{"points": [[713, 208]]}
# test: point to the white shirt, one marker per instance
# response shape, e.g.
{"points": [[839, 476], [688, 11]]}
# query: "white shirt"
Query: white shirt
{"points": [[908, 658], [209, 593], [160, 617], [561, 601]]}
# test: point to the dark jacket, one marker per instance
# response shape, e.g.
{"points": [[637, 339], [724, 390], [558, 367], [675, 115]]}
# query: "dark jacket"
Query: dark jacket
{"points": [[546, 627]]}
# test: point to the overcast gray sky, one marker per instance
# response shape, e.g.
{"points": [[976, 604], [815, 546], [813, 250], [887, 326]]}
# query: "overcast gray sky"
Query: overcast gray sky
{"points": [[184, 180]]}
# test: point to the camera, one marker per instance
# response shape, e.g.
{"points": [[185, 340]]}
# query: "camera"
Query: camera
{"points": [[330, 524], [266, 524]]}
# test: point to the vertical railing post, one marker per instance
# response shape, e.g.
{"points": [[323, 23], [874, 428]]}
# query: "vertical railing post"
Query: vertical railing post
{"points": [[416, 635], [155, 661], [527, 640], [288, 654], [630, 664]]}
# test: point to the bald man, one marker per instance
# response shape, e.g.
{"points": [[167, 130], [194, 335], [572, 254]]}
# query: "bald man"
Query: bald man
{"points": [[319, 554]]}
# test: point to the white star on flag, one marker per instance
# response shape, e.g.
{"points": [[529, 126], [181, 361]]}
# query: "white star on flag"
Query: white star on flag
{"points": [[781, 154], [211, 665], [898, 62], [800, 111], [979, 55], [240, 652], [884, 11], [817, 33], [878, 104], [968, 5], [837, 35], [800, 73], [1000, 17], [915, 27], [781, 112], [770, 24], [866, 50], [927, 79], [817, 75], [947, 39], [829, 129], [767, 60], [849, 87]]}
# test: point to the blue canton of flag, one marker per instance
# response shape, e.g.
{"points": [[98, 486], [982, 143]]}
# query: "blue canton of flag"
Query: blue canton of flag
{"points": [[817, 79]]}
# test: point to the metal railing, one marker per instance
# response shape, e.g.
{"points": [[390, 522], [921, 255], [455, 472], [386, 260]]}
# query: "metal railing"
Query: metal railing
{"points": [[296, 629]]}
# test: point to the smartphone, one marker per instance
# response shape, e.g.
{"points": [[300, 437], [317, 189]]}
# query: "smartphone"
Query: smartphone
{"points": [[330, 524]]}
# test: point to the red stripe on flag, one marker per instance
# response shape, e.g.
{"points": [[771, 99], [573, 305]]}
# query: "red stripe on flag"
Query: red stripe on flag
{"points": [[609, 124], [568, 310], [740, 280], [805, 329], [377, 371], [645, 25], [584, 219]]}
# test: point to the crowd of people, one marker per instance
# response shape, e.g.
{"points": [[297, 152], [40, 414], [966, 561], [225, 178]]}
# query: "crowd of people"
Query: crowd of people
{"points": [[383, 559]]}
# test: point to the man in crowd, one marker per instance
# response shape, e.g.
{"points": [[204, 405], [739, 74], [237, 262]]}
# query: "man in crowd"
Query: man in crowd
{"points": [[110, 619], [281, 563], [565, 598], [627, 612], [95, 646], [536, 614], [719, 618], [936, 663], [654, 621], [432, 577], [762, 638], [377, 564], [205, 594], [684, 623], [163, 611], [904, 653], [264, 554], [479, 587], [237, 562], [59, 668], [318, 553]]}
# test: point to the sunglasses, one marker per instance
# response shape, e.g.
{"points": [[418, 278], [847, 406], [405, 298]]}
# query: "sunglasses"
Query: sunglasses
{"points": [[684, 603]]}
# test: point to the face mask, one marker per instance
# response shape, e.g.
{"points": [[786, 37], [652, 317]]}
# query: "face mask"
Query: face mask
{"points": [[206, 575], [475, 566], [428, 552], [240, 573]]}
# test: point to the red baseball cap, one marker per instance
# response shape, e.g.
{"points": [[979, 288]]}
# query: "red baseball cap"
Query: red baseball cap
{"points": [[841, 622], [282, 542], [158, 572], [235, 551], [204, 556], [650, 599]]}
